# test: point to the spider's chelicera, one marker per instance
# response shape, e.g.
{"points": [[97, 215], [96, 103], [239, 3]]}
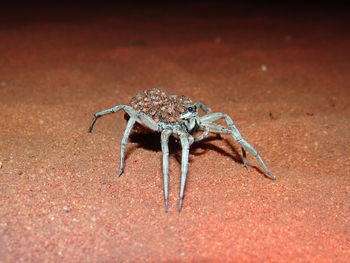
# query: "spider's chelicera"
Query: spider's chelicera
{"points": [[175, 115]]}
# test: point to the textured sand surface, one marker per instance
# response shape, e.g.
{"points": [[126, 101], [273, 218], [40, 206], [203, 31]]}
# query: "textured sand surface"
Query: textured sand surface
{"points": [[284, 78]]}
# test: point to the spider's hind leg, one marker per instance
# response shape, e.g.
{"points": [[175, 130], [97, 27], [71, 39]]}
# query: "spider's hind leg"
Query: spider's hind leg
{"points": [[106, 111], [124, 141]]}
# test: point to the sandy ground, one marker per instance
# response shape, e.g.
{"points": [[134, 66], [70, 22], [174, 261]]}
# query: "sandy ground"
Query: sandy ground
{"points": [[283, 76]]}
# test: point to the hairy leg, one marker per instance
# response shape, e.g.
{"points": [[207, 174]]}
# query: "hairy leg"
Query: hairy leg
{"points": [[124, 141], [251, 149], [244, 158], [147, 121], [117, 108], [185, 144], [204, 107], [165, 150], [134, 116], [202, 135], [209, 121]]}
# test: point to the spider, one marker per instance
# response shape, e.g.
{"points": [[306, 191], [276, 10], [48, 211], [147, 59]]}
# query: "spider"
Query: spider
{"points": [[159, 111]]}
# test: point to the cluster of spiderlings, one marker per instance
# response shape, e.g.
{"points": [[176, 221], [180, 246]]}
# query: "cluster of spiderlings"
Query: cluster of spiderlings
{"points": [[160, 105]]}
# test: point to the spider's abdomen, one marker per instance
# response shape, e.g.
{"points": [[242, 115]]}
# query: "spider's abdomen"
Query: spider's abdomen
{"points": [[160, 105]]}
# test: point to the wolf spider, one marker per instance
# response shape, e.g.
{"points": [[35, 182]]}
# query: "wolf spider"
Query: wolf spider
{"points": [[159, 111]]}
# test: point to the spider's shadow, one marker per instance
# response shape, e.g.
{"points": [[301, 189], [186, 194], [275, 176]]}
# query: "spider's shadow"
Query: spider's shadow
{"points": [[152, 141]]}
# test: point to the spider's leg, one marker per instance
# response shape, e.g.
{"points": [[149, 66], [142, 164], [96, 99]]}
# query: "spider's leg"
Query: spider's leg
{"points": [[147, 121], [165, 149], [209, 120], [106, 111], [244, 158], [251, 149], [185, 144], [202, 135], [204, 107], [124, 141]]}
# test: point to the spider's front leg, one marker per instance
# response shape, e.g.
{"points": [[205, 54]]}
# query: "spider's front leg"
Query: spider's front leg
{"points": [[186, 140], [204, 107], [208, 121], [165, 150]]}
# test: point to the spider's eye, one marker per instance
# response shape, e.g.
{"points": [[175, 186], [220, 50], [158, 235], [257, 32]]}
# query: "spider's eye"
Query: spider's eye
{"points": [[190, 109]]}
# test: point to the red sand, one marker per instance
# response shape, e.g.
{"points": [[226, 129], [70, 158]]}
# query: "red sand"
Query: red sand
{"points": [[283, 77]]}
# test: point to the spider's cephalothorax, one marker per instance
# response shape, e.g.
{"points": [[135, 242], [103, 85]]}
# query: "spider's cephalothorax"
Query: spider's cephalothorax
{"points": [[175, 115]]}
